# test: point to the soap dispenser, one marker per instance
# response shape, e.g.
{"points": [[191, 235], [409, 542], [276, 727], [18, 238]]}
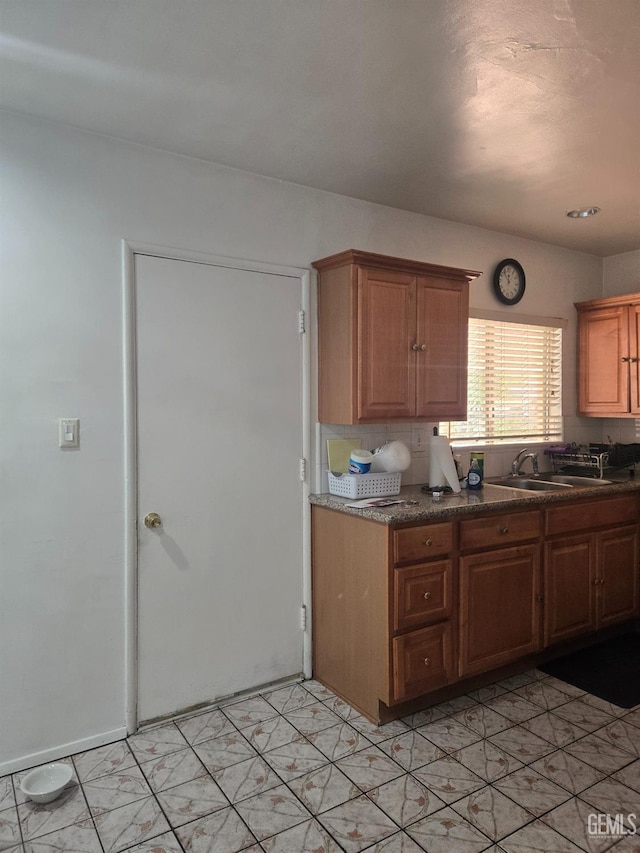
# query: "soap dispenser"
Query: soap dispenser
{"points": [[474, 477]]}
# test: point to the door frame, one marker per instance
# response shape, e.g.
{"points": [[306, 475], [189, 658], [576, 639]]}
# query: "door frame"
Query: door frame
{"points": [[129, 251]]}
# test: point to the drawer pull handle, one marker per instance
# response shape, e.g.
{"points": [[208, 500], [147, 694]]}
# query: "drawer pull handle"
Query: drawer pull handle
{"points": [[427, 661], [427, 596], [428, 541], [504, 529]]}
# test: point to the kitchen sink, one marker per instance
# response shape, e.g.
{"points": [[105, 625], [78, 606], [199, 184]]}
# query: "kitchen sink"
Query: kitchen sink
{"points": [[547, 482], [529, 484], [573, 480]]}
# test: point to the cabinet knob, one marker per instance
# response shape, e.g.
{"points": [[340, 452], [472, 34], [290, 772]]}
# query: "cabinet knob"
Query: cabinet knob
{"points": [[504, 529], [419, 347], [539, 598], [625, 358], [428, 542], [596, 582], [427, 661], [427, 596]]}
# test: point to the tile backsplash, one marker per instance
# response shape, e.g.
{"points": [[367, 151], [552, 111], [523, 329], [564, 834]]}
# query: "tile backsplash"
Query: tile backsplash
{"points": [[497, 458]]}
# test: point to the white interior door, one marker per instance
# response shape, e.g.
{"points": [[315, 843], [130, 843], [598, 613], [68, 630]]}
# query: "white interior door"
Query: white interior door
{"points": [[219, 426]]}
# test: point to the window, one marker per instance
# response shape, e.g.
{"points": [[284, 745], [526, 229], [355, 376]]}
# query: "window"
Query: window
{"points": [[514, 384]]}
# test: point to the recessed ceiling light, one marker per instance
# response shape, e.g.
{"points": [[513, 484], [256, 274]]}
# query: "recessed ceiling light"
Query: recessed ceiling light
{"points": [[583, 212]]}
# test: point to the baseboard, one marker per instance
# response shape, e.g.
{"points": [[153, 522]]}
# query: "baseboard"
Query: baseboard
{"points": [[62, 751]]}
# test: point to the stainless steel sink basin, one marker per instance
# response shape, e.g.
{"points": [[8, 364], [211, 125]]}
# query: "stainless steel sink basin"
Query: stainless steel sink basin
{"points": [[529, 484], [547, 482], [574, 481]]}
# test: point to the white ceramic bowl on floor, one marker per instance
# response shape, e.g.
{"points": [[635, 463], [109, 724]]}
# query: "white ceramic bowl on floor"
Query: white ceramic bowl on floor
{"points": [[46, 783]]}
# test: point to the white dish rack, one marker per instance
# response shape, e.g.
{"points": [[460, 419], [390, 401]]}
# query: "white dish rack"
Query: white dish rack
{"points": [[364, 485]]}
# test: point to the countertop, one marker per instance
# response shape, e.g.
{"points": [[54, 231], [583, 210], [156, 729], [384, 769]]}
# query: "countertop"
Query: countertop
{"points": [[472, 502]]}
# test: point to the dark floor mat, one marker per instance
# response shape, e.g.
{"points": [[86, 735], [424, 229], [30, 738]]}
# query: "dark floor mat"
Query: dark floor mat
{"points": [[610, 670]]}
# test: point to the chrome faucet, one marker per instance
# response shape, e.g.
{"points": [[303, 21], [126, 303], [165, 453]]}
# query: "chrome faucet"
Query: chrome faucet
{"points": [[517, 463]]}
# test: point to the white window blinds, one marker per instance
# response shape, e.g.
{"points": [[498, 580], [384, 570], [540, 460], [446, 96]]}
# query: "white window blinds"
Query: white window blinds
{"points": [[514, 384]]}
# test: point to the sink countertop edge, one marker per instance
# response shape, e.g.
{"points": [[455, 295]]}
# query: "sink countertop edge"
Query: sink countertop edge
{"points": [[468, 502]]}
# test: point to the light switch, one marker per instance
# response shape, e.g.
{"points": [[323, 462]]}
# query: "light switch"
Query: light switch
{"points": [[69, 432]]}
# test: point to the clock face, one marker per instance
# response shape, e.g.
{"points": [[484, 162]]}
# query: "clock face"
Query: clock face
{"points": [[509, 281]]}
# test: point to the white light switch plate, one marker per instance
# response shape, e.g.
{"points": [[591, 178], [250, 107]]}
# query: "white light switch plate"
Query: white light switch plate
{"points": [[69, 432]]}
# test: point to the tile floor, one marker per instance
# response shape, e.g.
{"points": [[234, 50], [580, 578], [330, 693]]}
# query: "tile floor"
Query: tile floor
{"points": [[517, 766]]}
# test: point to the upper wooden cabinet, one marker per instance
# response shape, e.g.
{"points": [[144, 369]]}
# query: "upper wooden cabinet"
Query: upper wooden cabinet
{"points": [[392, 339], [608, 357]]}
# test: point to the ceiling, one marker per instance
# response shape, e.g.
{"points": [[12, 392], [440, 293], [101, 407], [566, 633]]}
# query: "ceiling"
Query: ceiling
{"points": [[503, 114]]}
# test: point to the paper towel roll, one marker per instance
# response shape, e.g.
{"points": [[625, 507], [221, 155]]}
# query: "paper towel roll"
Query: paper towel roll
{"points": [[442, 469]]}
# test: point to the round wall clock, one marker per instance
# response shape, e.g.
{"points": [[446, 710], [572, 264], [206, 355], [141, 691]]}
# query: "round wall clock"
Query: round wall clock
{"points": [[509, 281]]}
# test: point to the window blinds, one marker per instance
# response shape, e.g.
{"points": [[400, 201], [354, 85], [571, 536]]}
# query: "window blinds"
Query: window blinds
{"points": [[514, 384]]}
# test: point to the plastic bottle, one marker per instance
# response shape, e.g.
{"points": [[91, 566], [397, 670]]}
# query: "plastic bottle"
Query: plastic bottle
{"points": [[474, 477]]}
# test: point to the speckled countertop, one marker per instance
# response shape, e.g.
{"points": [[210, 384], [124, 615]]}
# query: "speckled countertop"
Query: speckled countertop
{"points": [[471, 502]]}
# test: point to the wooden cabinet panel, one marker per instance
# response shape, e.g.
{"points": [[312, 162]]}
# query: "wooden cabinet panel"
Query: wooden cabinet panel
{"points": [[603, 377], [415, 544], [442, 327], [608, 356], [618, 575], [392, 339], [634, 364], [422, 661], [569, 589], [498, 530], [386, 332], [566, 518], [422, 594], [499, 607]]}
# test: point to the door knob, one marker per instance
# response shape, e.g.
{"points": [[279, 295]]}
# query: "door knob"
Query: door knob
{"points": [[152, 519]]}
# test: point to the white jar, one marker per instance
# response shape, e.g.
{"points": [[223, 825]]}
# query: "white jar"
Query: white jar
{"points": [[360, 461]]}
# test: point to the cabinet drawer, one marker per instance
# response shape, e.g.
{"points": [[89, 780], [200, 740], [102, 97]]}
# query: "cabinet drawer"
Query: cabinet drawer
{"points": [[422, 661], [586, 516], [416, 544], [421, 594], [497, 530]]}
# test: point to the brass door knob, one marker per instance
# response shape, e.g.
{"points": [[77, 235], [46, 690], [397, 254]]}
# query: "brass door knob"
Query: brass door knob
{"points": [[427, 596], [152, 520]]}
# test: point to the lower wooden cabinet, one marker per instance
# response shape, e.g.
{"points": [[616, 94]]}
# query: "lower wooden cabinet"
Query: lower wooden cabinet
{"points": [[591, 579], [499, 607], [400, 611]]}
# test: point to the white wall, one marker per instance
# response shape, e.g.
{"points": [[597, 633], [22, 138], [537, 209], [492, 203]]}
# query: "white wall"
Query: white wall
{"points": [[68, 198], [621, 274]]}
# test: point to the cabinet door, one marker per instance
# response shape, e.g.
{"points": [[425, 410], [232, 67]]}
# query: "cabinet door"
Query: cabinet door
{"points": [[603, 378], [569, 588], [634, 355], [499, 607], [386, 335], [442, 339], [617, 588]]}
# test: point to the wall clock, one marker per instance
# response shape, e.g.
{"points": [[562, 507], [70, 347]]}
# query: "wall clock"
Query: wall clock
{"points": [[509, 281]]}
